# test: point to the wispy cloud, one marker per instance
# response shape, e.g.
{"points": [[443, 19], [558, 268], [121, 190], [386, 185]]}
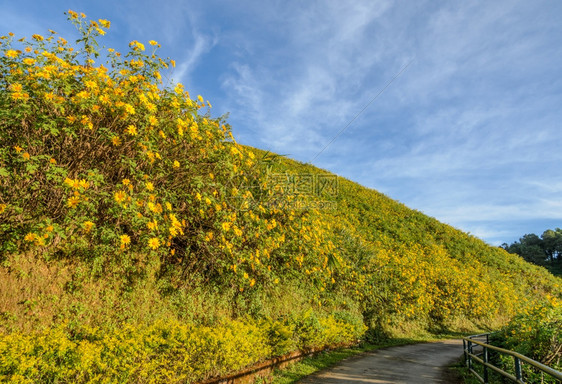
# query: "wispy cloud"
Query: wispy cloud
{"points": [[178, 26], [193, 56], [308, 89]]}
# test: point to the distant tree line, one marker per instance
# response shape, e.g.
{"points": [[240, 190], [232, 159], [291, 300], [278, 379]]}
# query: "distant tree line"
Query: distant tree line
{"points": [[545, 250]]}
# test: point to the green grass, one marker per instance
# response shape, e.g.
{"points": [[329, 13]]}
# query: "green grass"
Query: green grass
{"points": [[461, 373]]}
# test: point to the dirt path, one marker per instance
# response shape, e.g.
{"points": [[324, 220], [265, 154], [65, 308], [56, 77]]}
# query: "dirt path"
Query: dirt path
{"points": [[418, 363]]}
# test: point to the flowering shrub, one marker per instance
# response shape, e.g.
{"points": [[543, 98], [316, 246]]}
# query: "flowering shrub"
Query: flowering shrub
{"points": [[165, 352], [107, 163], [535, 333]]}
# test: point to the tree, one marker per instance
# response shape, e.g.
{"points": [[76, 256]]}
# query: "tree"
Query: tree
{"points": [[552, 240], [530, 247]]}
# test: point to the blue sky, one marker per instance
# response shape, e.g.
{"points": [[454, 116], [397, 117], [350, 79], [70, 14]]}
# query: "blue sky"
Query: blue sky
{"points": [[470, 133]]}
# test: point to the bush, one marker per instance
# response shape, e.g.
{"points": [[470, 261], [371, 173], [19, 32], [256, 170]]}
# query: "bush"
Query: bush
{"points": [[535, 333], [164, 352], [106, 163]]}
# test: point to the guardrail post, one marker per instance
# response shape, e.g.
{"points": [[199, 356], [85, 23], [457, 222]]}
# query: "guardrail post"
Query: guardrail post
{"points": [[485, 367], [469, 363], [518, 373]]}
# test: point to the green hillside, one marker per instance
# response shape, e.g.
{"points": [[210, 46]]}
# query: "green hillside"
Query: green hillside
{"points": [[411, 268], [140, 243]]}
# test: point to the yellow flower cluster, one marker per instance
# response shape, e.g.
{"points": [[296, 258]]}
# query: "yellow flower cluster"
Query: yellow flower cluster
{"points": [[138, 352]]}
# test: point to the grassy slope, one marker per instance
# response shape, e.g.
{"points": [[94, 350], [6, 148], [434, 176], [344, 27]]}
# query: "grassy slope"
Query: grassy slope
{"points": [[393, 245], [402, 270]]}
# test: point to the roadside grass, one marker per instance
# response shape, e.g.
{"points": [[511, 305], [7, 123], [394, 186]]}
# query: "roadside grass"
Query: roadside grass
{"points": [[461, 373]]}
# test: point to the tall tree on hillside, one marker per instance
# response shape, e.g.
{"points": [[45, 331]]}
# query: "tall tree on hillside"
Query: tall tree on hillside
{"points": [[552, 242], [530, 247]]}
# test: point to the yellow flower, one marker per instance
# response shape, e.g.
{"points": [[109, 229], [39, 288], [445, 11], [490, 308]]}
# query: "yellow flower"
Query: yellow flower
{"points": [[152, 225], [237, 231], [18, 149], [120, 196], [226, 226], [116, 141], [173, 62], [153, 121], [2, 208], [136, 45], [11, 53], [85, 120], [83, 184], [152, 42], [73, 201], [104, 23], [72, 14], [125, 241], [87, 226], [176, 164], [69, 182], [90, 84], [149, 186], [132, 130], [82, 95], [29, 61], [26, 155], [104, 99], [126, 181], [20, 96], [30, 237], [37, 37], [154, 243], [129, 109], [200, 98], [16, 87]]}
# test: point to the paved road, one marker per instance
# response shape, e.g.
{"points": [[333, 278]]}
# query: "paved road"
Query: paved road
{"points": [[418, 363]]}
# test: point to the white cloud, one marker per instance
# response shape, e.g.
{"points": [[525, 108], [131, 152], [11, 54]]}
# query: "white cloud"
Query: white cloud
{"points": [[193, 56], [309, 89]]}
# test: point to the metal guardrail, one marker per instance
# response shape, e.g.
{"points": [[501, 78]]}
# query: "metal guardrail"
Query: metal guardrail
{"points": [[471, 355]]}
